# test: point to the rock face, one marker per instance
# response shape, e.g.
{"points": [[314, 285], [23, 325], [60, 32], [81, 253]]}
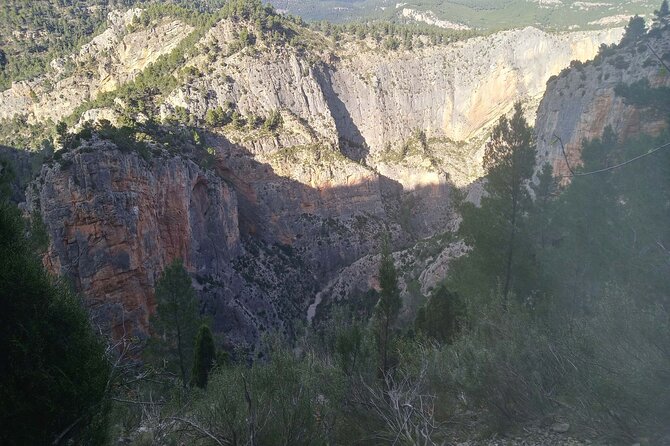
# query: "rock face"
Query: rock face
{"points": [[582, 102], [117, 220], [372, 141], [369, 101], [111, 59], [455, 91]]}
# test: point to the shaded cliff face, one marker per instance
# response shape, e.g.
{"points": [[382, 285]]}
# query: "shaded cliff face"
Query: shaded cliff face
{"points": [[582, 102], [257, 246], [116, 220], [371, 141]]}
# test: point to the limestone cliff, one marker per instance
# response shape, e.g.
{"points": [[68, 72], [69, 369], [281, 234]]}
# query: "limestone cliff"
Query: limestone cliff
{"points": [[111, 59], [581, 102], [370, 141], [455, 91]]}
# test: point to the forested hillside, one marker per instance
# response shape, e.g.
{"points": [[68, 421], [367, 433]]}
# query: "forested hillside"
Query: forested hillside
{"points": [[476, 14]]}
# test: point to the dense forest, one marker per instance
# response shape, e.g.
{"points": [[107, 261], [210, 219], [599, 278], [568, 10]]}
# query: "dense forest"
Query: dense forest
{"points": [[560, 310]]}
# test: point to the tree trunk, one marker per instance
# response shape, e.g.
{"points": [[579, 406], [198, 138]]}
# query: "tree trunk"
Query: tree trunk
{"points": [[510, 251]]}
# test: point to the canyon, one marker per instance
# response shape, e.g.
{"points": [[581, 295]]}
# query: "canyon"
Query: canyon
{"points": [[372, 141]]}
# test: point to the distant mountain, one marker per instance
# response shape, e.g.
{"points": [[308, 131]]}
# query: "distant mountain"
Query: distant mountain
{"points": [[479, 14], [36, 32]]}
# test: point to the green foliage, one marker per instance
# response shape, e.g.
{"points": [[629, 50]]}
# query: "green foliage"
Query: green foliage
{"points": [[387, 308], [605, 368], [442, 317], [661, 19], [177, 319], [54, 370], [620, 363], [392, 35], [277, 402], [273, 121], [500, 256], [488, 15], [217, 117], [204, 357], [17, 132], [7, 176], [635, 30], [642, 94], [391, 44], [504, 362], [126, 138], [612, 238], [34, 33]]}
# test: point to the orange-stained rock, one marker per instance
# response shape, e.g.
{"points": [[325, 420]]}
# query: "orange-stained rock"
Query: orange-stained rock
{"points": [[581, 102], [116, 220]]}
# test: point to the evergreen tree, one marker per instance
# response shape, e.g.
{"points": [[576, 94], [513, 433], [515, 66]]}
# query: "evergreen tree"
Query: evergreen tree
{"points": [[53, 368], [496, 230], [545, 190], [611, 228], [387, 308], [635, 29], [660, 18], [205, 354], [177, 317], [509, 160], [442, 317]]}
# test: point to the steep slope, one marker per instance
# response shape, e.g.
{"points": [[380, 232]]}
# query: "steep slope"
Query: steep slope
{"points": [[581, 102], [116, 220], [112, 58], [455, 91], [266, 213]]}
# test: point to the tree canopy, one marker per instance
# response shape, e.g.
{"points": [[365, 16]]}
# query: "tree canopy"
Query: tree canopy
{"points": [[53, 367]]}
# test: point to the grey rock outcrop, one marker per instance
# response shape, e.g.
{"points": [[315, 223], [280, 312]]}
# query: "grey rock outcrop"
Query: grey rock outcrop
{"points": [[582, 102], [372, 141], [111, 59]]}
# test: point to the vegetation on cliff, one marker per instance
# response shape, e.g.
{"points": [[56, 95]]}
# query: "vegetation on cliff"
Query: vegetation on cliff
{"points": [[560, 310], [581, 337], [54, 368]]}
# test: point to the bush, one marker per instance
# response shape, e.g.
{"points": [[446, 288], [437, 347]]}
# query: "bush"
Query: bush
{"points": [[442, 317], [619, 363], [273, 121], [502, 364]]}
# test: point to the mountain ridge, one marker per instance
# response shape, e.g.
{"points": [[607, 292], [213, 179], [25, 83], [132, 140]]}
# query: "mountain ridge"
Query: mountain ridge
{"points": [[351, 156]]}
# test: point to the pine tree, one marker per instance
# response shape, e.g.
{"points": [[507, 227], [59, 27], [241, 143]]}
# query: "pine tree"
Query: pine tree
{"points": [[635, 29], [388, 306], [177, 317], [661, 16], [545, 190], [496, 230], [442, 317], [509, 160], [205, 354], [53, 368]]}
